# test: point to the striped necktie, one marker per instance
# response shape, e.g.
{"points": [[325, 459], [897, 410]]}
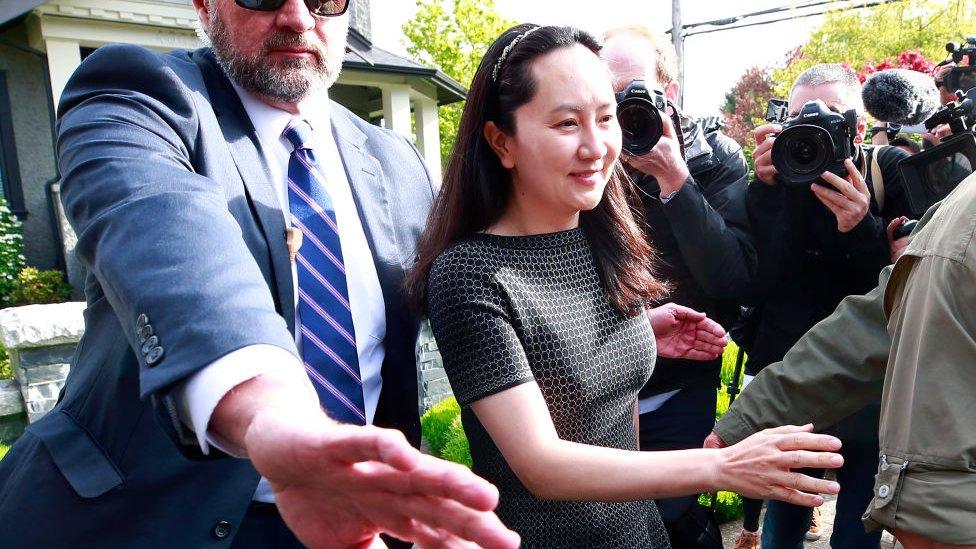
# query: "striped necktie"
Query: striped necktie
{"points": [[325, 318]]}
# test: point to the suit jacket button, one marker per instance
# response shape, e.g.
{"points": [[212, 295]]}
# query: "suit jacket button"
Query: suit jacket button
{"points": [[149, 345], [154, 356], [221, 530], [145, 332], [142, 320]]}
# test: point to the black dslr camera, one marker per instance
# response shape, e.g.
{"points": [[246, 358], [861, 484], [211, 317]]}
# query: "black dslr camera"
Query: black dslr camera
{"points": [[815, 141], [962, 76], [640, 112], [932, 174]]}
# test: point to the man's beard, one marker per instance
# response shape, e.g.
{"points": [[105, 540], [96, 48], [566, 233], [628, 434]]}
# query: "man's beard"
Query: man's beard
{"points": [[288, 81]]}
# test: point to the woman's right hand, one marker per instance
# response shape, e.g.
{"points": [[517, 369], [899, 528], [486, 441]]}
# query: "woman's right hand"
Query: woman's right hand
{"points": [[761, 466]]}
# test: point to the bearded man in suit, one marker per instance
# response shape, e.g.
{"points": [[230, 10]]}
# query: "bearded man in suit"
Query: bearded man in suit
{"points": [[223, 393]]}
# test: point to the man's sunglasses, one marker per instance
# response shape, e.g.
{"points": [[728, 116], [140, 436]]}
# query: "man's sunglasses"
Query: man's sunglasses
{"points": [[325, 8]]}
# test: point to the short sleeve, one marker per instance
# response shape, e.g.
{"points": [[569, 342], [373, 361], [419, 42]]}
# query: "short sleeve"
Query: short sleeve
{"points": [[472, 324]]}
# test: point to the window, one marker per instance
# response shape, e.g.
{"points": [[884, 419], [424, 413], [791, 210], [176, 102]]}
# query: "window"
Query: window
{"points": [[9, 168]]}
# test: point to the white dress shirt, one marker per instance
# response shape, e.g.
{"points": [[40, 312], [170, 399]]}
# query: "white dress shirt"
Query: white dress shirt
{"points": [[198, 397]]}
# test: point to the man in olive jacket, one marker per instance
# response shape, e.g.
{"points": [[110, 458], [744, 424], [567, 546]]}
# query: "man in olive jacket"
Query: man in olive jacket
{"points": [[910, 343]]}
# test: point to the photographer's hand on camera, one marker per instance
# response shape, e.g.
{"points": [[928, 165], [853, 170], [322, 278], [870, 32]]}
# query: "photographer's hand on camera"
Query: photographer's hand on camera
{"points": [[664, 162], [897, 245], [850, 202], [762, 155]]}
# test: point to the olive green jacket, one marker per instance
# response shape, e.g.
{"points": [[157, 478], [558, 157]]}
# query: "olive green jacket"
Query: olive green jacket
{"points": [[910, 343]]}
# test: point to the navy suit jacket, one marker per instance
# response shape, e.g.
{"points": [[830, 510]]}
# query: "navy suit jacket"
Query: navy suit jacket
{"points": [[180, 230]]}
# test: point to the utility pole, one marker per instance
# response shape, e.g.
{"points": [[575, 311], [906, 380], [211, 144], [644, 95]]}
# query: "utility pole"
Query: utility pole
{"points": [[678, 39]]}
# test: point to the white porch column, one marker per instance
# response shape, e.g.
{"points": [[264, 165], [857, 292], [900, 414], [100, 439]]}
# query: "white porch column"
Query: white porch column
{"points": [[429, 135], [396, 109], [63, 57]]}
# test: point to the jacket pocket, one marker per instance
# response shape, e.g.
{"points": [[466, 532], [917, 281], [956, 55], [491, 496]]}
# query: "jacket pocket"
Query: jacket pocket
{"points": [[79, 458]]}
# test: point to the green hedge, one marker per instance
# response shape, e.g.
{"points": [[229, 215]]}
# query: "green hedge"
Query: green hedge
{"points": [[441, 427], [11, 252], [33, 286]]}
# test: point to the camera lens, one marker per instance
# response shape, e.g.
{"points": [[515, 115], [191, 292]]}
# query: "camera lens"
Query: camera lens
{"points": [[641, 125], [801, 153]]}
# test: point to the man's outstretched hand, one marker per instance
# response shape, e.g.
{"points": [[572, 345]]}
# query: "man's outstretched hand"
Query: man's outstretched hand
{"points": [[685, 333], [341, 485]]}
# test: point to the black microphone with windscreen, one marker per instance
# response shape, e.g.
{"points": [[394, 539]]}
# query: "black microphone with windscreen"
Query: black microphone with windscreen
{"points": [[900, 96]]}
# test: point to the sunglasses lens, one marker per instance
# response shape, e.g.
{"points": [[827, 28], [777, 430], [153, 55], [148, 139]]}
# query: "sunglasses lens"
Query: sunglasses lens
{"points": [[327, 7], [318, 7], [260, 5]]}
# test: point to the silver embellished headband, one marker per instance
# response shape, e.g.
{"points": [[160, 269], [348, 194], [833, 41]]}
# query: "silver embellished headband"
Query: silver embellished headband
{"points": [[508, 49]]}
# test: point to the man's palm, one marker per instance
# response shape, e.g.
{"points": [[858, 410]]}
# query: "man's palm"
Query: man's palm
{"points": [[341, 485], [685, 333]]}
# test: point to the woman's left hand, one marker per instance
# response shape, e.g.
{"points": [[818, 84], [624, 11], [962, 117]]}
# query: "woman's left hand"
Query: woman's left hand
{"points": [[685, 333]]}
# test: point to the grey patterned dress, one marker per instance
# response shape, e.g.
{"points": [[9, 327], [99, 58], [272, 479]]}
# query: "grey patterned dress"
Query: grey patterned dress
{"points": [[509, 310]]}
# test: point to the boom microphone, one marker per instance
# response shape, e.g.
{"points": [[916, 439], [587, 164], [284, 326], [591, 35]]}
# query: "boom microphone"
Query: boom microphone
{"points": [[900, 96]]}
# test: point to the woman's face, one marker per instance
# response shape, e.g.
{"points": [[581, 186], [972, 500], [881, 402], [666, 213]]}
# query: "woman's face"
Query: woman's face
{"points": [[567, 139]]}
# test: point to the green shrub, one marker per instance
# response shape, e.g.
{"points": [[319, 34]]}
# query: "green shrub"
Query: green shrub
{"points": [[33, 287], [441, 427], [5, 371], [728, 369], [435, 425], [728, 508], [11, 252], [457, 449]]}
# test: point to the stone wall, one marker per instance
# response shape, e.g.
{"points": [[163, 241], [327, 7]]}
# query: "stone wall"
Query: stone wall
{"points": [[40, 340], [432, 379]]}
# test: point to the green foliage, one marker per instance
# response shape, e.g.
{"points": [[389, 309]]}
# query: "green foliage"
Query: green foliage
{"points": [[33, 287], [5, 371], [441, 427], [745, 105], [728, 369], [3, 450], [457, 448], [11, 252], [453, 35], [728, 508], [868, 36]]}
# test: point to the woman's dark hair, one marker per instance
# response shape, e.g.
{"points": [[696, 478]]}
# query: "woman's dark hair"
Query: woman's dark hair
{"points": [[477, 188]]}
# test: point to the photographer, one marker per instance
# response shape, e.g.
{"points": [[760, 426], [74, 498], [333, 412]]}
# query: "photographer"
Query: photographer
{"points": [[695, 214], [820, 239]]}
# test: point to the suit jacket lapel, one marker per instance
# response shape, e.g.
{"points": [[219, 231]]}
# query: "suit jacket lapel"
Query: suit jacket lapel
{"points": [[372, 197], [248, 155]]}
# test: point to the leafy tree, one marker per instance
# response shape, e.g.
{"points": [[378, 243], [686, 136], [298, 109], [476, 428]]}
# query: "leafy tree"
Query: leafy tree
{"points": [[453, 35], [870, 36], [745, 106], [911, 60]]}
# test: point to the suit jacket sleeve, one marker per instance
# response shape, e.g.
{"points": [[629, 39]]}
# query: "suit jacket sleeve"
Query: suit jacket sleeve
{"points": [[157, 236], [836, 369]]}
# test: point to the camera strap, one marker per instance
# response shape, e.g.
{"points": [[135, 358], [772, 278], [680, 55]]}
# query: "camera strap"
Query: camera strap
{"points": [[679, 133]]}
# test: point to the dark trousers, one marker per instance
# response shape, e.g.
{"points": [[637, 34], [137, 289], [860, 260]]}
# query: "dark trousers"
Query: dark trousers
{"points": [[785, 525], [681, 423]]}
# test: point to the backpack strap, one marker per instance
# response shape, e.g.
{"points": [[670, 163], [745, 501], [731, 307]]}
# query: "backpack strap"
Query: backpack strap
{"points": [[877, 178]]}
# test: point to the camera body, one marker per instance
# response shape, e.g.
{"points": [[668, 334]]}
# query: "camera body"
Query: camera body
{"points": [[815, 141], [640, 112], [962, 77]]}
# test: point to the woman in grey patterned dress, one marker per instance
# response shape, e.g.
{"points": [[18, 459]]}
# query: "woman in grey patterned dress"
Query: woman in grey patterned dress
{"points": [[534, 273]]}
